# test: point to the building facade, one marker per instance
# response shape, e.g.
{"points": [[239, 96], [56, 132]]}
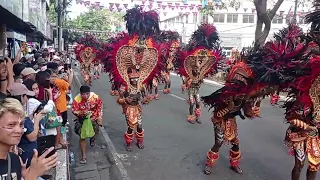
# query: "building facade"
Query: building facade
{"points": [[24, 20], [236, 27]]}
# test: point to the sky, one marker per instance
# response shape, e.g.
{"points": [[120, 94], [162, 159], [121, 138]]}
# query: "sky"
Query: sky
{"points": [[76, 9]]}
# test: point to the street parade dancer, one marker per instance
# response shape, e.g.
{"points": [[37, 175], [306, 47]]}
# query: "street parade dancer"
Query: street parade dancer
{"points": [[153, 85], [96, 70], [246, 85], [227, 103], [87, 55], [172, 38], [302, 108], [196, 62], [134, 61]]}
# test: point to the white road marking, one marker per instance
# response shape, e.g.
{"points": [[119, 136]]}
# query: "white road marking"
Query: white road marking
{"points": [[178, 97]]}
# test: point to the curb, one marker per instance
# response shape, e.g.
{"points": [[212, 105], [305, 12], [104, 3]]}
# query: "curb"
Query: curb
{"points": [[207, 81], [117, 170], [62, 163]]}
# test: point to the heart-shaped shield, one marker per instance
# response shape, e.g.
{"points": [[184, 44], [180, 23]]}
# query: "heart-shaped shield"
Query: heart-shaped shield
{"points": [[130, 56], [87, 54], [202, 61], [314, 95]]}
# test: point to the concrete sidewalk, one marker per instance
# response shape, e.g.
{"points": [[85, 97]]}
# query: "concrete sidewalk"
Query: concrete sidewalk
{"points": [[100, 161], [97, 167]]}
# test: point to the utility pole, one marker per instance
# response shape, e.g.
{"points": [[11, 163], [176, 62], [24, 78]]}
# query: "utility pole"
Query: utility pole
{"points": [[295, 12], [59, 10]]}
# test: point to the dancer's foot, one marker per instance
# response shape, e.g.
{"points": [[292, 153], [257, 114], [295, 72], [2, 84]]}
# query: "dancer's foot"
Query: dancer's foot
{"points": [[207, 170], [129, 147], [191, 119], [198, 121], [156, 97], [236, 169], [140, 145]]}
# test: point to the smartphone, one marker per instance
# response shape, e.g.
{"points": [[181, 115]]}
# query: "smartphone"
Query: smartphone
{"points": [[67, 66], [39, 109], [44, 143]]}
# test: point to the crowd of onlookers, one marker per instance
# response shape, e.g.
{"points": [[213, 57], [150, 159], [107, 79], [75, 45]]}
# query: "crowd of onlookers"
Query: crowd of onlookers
{"points": [[34, 97]]}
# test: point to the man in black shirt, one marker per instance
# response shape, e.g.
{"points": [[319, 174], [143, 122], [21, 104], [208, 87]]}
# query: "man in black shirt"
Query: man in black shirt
{"points": [[11, 130], [16, 168]]}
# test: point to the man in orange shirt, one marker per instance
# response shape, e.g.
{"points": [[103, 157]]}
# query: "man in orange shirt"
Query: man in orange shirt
{"points": [[63, 87]]}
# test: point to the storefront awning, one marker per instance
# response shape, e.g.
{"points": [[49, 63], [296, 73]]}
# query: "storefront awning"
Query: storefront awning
{"points": [[14, 23]]}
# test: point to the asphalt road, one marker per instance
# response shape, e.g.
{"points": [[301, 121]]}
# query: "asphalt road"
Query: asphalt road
{"points": [[176, 149]]}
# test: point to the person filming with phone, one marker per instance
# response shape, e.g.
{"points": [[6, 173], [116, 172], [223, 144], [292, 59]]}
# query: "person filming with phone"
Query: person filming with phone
{"points": [[11, 129], [87, 107]]}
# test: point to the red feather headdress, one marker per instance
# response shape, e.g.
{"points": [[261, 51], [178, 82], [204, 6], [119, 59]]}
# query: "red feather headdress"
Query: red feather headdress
{"points": [[87, 54], [137, 50], [203, 53]]}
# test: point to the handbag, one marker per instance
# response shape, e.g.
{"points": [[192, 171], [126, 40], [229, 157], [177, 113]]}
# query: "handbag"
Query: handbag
{"points": [[52, 119]]}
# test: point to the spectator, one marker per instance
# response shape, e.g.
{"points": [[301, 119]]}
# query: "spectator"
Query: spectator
{"points": [[37, 56], [42, 64], [29, 60], [85, 104], [62, 87], [17, 69], [6, 74], [46, 56], [12, 125], [43, 80], [28, 73]]}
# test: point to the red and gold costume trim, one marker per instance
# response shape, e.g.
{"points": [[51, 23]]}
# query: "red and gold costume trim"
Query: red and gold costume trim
{"points": [[93, 104]]}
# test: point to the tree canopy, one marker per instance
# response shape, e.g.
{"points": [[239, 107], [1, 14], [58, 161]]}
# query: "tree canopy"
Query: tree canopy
{"points": [[96, 19]]}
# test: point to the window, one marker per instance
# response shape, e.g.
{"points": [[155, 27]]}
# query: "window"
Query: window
{"points": [[218, 18], [302, 20], [194, 17], [248, 19], [205, 18], [232, 18], [187, 18], [277, 19], [289, 19]]}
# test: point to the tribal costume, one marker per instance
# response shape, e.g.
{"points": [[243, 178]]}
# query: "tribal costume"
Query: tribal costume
{"points": [[153, 85], [198, 61], [227, 103], [303, 105], [96, 70], [87, 53], [172, 39], [243, 91], [134, 61]]}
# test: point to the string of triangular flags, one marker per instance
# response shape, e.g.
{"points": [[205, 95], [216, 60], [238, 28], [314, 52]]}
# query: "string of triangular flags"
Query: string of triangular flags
{"points": [[180, 7]]}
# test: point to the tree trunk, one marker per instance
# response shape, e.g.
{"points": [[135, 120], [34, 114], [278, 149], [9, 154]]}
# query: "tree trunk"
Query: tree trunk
{"points": [[264, 18]]}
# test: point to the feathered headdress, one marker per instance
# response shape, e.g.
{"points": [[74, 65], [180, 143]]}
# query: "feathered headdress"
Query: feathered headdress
{"points": [[168, 37], [90, 41], [206, 36], [141, 23], [292, 32], [224, 94], [136, 50], [280, 61], [203, 52]]}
